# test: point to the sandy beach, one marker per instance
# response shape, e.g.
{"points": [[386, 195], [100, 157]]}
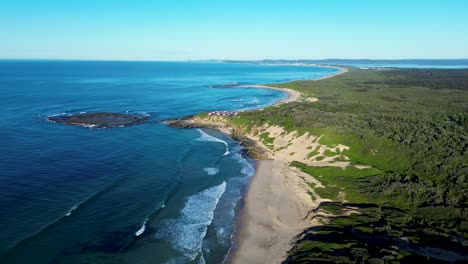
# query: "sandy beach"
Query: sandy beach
{"points": [[293, 95], [275, 207]]}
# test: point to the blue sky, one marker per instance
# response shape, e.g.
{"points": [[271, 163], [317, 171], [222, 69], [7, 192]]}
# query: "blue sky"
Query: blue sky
{"points": [[228, 29]]}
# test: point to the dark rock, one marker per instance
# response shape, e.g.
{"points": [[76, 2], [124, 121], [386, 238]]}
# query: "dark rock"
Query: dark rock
{"points": [[183, 122], [101, 120]]}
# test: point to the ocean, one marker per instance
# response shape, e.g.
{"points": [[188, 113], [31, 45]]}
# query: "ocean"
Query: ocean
{"points": [[141, 194]]}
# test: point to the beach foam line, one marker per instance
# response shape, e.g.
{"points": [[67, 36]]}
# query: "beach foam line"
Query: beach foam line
{"points": [[206, 137], [186, 233], [247, 167]]}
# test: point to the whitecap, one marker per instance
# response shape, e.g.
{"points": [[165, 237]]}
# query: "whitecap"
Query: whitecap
{"points": [[71, 210], [187, 232], [211, 171], [254, 101], [206, 137], [142, 229], [60, 114]]}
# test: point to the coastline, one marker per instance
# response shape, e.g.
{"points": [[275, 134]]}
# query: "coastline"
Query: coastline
{"points": [[276, 203], [273, 214], [278, 198], [294, 95]]}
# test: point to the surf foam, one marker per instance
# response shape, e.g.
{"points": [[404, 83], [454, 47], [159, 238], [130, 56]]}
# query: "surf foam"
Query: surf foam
{"points": [[205, 137], [71, 210], [187, 232], [211, 171], [142, 229]]}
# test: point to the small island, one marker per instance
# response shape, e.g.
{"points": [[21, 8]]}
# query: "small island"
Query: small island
{"points": [[100, 120]]}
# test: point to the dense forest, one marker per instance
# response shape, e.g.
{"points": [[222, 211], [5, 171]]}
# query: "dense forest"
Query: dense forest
{"points": [[411, 127]]}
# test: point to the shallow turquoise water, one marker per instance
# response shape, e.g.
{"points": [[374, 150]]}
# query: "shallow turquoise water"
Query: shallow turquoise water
{"points": [[142, 194]]}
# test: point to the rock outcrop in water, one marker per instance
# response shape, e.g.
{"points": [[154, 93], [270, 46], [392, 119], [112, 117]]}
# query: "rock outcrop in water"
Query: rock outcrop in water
{"points": [[100, 120]]}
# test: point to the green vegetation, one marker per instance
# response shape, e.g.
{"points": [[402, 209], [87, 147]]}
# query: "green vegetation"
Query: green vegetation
{"points": [[330, 153], [411, 126], [266, 139], [338, 180], [313, 153]]}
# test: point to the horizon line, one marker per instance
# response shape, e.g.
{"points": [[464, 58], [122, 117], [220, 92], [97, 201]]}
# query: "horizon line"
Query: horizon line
{"points": [[221, 60]]}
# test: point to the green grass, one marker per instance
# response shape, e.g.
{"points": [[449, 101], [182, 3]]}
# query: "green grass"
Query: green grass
{"points": [[329, 153], [315, 152], [319, 158], [333, 172], [267, 140], [336, 180]]}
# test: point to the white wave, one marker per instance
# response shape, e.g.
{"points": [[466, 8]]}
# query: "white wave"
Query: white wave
{"points": [[187, 232], [224, 223], [71, 210], [206, 137], [211, 171], [142, 229], [60, 114], [220, 231], [254, 101], [236, 100], [247, 167]]}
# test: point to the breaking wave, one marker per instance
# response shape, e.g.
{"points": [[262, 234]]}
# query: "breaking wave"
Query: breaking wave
{"points": [[211, 171], [206, 137], [142, 229], [186, 233]]}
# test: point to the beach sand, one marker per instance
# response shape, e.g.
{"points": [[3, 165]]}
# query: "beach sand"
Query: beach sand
{"points": [[279, 198], [275, 207], [293, 95]]}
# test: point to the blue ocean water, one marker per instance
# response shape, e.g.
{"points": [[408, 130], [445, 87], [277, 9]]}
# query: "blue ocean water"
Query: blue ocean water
{"points": [[140, 194]]}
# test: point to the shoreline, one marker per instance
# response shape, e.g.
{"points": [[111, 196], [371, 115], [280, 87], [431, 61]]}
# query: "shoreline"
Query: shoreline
{"points": [[294, 95], [277, 200], [275, 205], [273, 213]]}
